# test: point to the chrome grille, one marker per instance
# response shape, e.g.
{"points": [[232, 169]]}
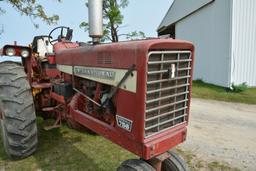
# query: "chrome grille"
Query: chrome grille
{"points": [[167, 97]]}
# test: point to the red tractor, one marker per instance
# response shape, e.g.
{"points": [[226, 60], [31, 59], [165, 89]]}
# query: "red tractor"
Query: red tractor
{"points": [[135, 93]]}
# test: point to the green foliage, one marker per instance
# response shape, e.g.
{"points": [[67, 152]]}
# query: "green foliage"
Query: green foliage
{"points": [[1, 30], [210, 91], [32, 9], [85, 26], [2, 11], [239, 88], [112, 21], [135, 35]]}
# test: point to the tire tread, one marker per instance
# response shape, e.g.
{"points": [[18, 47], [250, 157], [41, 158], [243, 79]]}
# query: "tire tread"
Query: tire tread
{"points": [[174, 163], [135, 165], [19, 119]]}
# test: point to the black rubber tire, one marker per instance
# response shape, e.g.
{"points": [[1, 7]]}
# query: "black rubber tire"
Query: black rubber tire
{"points": [[135, 165], [174, 163], [18, 121]]}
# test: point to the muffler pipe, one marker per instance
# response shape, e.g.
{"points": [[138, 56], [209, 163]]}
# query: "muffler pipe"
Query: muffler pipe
{"points": [[95, 20]]}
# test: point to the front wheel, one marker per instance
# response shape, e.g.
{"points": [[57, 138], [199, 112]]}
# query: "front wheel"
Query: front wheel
{"points": [[174, 163], [18, 118], [135, 165]]}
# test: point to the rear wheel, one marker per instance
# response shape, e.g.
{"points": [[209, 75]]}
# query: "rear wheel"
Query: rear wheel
{"points": [[135, 165], [18, 119], [174, 163]]}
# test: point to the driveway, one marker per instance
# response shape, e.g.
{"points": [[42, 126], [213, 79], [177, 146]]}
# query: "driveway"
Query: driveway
{"points": [[221, 131]]}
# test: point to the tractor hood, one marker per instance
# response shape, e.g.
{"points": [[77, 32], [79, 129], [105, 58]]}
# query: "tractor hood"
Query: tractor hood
{"points": [[117, 55]]}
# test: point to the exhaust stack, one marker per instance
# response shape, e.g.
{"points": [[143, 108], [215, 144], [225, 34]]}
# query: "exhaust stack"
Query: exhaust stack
{"points": [[95, 20]]}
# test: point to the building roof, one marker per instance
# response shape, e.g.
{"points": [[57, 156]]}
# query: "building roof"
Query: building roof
{"points": [[180, 9]]}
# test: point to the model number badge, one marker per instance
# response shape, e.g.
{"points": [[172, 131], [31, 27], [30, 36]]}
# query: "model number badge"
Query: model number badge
{"points": [[124, 123]]}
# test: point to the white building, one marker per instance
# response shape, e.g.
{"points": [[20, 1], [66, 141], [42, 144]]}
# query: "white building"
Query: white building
{"points": [[224, 34]]}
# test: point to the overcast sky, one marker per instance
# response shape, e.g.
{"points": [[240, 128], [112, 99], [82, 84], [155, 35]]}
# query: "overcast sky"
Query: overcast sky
{"points": [[142, 15]]}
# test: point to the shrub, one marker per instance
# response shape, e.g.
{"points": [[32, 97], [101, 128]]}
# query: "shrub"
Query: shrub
{"points": [[239, 88]]}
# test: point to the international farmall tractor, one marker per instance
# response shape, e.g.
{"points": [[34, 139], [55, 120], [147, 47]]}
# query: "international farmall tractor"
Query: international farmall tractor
{"points": [[134, 93]]}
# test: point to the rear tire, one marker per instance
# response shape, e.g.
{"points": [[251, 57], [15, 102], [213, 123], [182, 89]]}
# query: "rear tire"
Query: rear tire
{"points": [[135, 165], [18, 118], [174, 163]]}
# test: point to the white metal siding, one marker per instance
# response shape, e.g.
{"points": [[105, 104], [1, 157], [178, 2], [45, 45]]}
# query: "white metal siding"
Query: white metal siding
{"points": [[243, 67], [209, 30]]}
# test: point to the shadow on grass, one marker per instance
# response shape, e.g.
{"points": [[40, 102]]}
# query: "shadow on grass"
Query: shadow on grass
{"points": [[57, 150], [66, 149]]}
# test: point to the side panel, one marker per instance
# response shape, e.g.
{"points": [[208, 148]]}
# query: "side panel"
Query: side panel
{"points": [[103, 75]]}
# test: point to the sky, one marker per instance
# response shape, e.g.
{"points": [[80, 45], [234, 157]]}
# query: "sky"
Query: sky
{"points": [[142, 15]]}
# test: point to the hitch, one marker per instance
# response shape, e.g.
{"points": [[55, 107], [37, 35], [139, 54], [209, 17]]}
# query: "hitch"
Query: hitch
{"points": [[57, 110]]}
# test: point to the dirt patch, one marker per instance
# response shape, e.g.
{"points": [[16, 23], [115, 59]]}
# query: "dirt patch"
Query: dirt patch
{"points": [[200, 164], [221, 132]]}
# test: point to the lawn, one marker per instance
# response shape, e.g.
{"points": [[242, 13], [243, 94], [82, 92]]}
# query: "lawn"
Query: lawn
{"points": [[67, 149], [209, 91]]}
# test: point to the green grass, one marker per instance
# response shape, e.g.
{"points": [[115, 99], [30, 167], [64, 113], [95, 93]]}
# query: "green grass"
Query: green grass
{"points": [[197, 164], [210, 91], [221, 166], [67, 149]]}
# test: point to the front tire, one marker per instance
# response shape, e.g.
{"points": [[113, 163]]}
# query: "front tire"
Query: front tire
{"points": [[174, 163], [135, 165], [18, 118]]}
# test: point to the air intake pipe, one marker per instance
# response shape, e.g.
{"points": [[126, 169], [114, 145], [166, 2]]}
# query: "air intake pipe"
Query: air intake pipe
{"points": [[95, 20]]}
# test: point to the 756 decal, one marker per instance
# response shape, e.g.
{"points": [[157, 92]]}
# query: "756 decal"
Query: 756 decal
{"points": [[124, 123]]}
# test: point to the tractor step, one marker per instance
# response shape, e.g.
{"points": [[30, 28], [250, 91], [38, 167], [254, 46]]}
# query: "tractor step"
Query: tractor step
{"points": [[48, 109], [47, 128]]}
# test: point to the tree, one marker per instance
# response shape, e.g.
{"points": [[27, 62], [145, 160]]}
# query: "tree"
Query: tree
{"points": [[113, 20], [1, 30], [32, 9]]}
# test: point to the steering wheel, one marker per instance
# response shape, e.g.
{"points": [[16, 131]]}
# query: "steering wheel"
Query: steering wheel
{"points": [[61, 36]]}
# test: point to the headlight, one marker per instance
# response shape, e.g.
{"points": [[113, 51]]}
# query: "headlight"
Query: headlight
{"points": [[24, 53], [10, 51]]}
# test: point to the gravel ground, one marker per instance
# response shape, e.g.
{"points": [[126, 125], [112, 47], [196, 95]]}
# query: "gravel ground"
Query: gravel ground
{"points": [[225, 132]]}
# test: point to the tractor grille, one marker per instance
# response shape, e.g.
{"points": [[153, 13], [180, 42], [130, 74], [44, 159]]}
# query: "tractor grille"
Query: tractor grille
{"points": [[168, 81]]}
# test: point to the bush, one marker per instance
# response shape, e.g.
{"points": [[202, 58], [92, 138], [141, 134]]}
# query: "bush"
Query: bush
{"points": [[239, 88]]}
